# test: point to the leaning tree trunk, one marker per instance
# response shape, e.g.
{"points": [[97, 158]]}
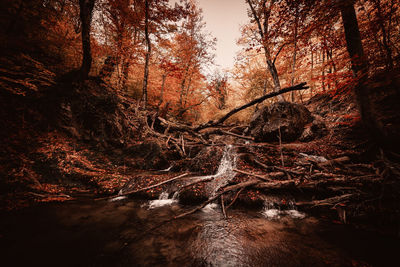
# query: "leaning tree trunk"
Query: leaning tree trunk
{"points": [[86, 12], [146, 64]]}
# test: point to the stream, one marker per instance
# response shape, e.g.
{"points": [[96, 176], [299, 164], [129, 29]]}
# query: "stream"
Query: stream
{"points": [[126, 232]]}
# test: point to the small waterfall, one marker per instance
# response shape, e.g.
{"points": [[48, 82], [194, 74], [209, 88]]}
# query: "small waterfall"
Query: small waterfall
{"points": [[225, 170], [224, 174], [273, 211], [163, 200]]}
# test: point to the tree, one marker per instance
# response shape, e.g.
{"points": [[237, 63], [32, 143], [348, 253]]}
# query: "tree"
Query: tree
{"points": [[159, 19], [86, 13], [261, 12], [148, 52]]}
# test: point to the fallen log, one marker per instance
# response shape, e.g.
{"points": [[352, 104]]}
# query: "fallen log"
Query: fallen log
{"points": [[301, 86]]}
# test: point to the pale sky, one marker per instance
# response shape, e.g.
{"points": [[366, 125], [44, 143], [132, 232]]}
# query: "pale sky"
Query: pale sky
{"points": [[223, 19]]}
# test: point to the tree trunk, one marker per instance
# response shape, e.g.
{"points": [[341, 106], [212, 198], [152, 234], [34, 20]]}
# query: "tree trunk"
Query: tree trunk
{"points": [[323, 70], [161, 99], [359, 67], [86, 12], [148, 42], [385, 35], [294, 55], [312, 72]]}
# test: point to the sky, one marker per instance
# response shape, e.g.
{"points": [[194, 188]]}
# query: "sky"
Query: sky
{"points": [[223, 19]]}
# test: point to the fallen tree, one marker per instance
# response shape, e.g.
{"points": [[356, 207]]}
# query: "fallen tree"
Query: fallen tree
{"points": [[301, 86]]}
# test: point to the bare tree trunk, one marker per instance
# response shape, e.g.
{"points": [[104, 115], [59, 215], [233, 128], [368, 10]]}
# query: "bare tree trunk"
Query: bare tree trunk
{"points": [[148, 52], [312, 72], [86, 12], [125, 71], [294, 54], [161, 99], [323, 70]]}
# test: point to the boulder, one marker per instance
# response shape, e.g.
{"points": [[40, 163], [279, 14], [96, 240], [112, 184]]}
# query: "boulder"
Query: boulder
{"points": [[287, 118]]}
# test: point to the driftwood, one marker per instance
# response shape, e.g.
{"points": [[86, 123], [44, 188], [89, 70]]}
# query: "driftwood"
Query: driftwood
{"points": [[301, 86]]}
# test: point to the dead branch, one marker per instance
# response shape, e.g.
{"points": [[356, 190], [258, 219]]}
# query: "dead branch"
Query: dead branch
{"points": [[277, 185], [151, 187], [264, 178], [301, 86], [326, 202], [235, 198], [237, 135]]}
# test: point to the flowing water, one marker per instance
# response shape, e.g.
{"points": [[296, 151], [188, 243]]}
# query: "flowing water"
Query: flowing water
{"points": [[126, 232]]}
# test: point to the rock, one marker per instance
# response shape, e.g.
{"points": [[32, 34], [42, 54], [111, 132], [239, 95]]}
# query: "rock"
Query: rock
{"points": [[207, 160], [288, 118], [314, 130]]}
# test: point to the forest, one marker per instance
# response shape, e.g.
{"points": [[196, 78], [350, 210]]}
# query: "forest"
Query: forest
{"points": [[125, 143]]}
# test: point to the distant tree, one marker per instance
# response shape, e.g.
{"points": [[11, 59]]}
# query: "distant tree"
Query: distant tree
{"points": [[86, 13]]}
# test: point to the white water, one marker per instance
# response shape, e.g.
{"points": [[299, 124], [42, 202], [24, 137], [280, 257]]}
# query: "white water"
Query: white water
{"points": [[224, 174], [118, 198], [272, 212], [163, 200], [225, 170]]}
